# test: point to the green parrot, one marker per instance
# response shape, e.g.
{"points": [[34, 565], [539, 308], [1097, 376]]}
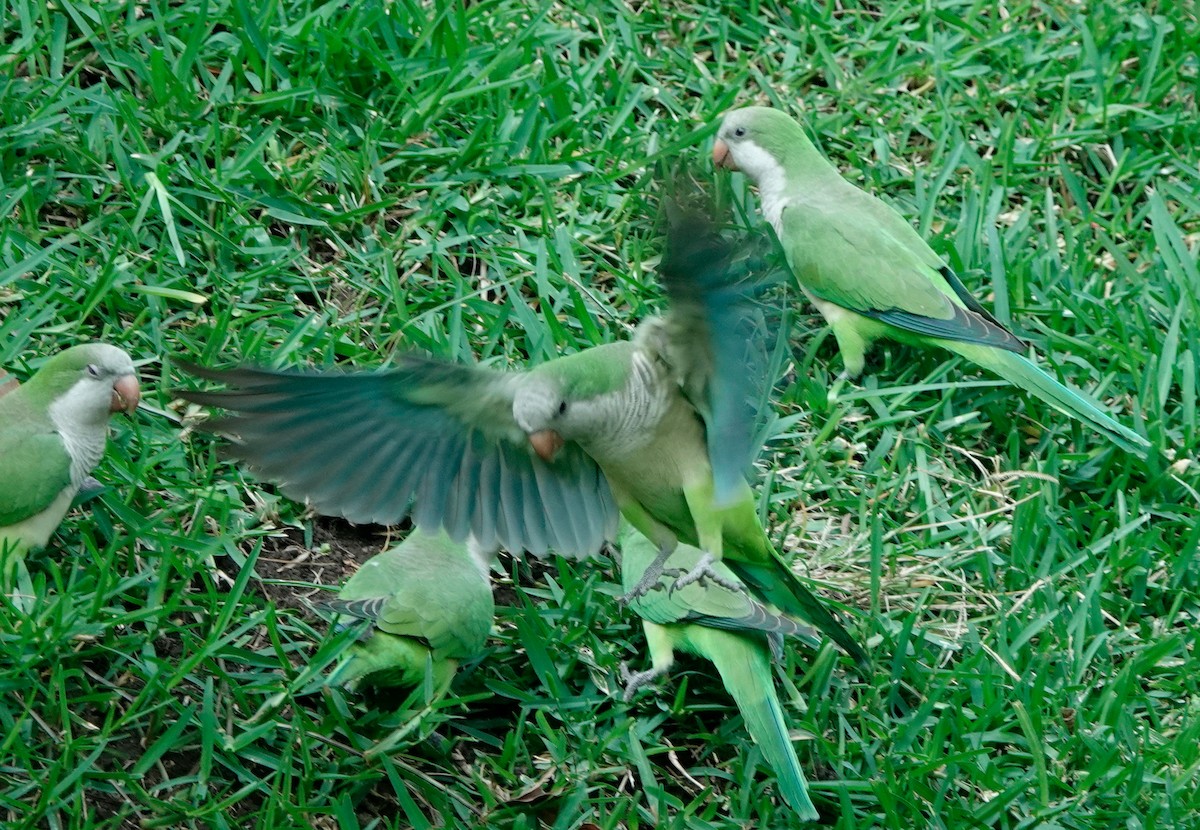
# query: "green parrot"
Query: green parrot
{"points": [[658, 428], [53, 429], [428, 604], [870, 274], [735, 632]]}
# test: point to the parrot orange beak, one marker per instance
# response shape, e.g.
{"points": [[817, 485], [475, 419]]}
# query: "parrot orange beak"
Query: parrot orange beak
{"points": [[546, 443], [722, 157], [126, 394]]}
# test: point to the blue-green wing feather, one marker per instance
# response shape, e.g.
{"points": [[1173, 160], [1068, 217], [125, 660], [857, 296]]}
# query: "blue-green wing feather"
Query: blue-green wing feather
{"points": [[434, 439], [720, 340]]}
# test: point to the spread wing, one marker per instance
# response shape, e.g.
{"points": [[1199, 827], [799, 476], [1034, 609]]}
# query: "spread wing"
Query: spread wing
{"points": [[432, 439]]}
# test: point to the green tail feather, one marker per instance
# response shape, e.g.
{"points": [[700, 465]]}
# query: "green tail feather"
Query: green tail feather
{"points": [[1024, 373], [743, 666], [778, 585]]}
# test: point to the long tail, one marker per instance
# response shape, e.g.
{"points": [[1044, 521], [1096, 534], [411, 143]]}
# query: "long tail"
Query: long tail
{"points": [[1024, 373], [744, 668], [775, 582]]}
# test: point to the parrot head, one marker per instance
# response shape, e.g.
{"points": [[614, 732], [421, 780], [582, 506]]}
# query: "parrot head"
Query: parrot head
{"points": [[90, 381], [754, 139], [584, 399], [542, 410]]}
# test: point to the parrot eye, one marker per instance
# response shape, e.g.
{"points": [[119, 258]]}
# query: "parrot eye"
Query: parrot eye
{"points": [[562, 407], [93, 370], [740, 132]]}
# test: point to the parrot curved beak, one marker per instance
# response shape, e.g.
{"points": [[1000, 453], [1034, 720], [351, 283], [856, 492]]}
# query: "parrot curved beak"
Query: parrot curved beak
{"points": [[722, 157], [126, 394], [546, 443]]}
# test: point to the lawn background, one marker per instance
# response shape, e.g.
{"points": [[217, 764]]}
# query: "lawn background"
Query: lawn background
{"points": [[324, 183]]}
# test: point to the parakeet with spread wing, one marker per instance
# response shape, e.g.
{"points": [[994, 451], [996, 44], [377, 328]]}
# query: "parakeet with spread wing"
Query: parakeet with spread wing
{"points": [[658, 428]]}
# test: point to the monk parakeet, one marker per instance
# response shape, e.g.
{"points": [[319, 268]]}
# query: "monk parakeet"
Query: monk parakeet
{"points": [[427, 606], [658, 427], [729, 628], [870, 274], [53, 429]]}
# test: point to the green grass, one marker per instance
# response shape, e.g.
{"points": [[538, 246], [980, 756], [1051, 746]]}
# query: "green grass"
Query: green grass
{"points": [[325, 183]]}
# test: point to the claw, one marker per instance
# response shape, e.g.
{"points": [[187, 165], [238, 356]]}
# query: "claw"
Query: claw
{"points": [[636, 680], [651, 578], [704, 570]]}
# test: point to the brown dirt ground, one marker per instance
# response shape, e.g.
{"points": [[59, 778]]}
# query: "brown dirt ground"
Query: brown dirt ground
{"points": [[338, 549]]}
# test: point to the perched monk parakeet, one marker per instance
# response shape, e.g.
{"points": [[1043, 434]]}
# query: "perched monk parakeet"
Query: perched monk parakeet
{"points": [[734, 631], [428, 607], [657, 427], [870, 273], [53, 429]]}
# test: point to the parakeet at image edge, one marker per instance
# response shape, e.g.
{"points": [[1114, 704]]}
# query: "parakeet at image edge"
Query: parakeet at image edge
{"points": [[652, 428], [53, 432], [870, 273]]}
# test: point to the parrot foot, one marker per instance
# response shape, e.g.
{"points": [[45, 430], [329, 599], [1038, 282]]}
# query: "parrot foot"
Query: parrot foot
{"points": [[635, 680], [704, 570], [651, 577]]}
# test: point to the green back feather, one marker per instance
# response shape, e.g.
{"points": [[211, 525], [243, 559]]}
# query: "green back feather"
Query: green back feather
{"points": [[428, 603], [34, 464]]}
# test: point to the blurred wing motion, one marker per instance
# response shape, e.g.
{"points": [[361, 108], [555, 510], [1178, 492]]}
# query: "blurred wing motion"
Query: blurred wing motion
{"points": [[430, 437], [719, 339]]}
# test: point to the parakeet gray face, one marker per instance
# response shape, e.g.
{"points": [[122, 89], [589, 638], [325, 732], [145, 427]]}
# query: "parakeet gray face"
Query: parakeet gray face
{"points": [[613, 419], [92, 381], [735, 145], [757, 142], [543, 412]]}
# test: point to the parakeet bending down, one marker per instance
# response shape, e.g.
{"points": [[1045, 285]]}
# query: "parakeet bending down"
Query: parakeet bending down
{"points": [[869, 272], [659, 427], [728, 627], [53, 429], [428, 607]]}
